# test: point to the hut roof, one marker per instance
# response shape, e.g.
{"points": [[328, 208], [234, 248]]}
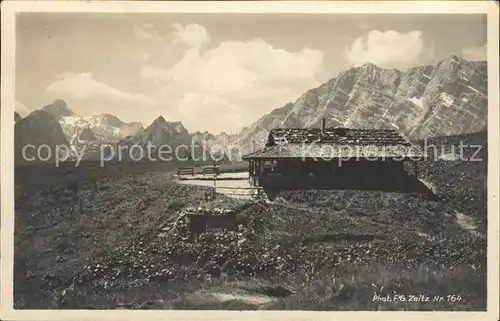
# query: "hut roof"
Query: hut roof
{"points": [[332, 135], [335, 143]]}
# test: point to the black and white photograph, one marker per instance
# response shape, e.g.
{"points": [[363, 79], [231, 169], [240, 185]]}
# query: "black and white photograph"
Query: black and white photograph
{"points": [[277, 161]]}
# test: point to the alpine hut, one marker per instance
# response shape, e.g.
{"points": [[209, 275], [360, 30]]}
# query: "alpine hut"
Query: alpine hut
{"points": [[334, 157]]}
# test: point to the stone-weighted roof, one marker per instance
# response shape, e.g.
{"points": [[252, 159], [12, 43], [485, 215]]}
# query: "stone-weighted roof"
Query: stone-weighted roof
{"points": [[335, 143]]}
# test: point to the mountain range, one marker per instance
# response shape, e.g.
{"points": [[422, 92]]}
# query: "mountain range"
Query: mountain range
{"points": [[426, 101], [105, 127], [449, 98], [61, 126], [37, 129]]}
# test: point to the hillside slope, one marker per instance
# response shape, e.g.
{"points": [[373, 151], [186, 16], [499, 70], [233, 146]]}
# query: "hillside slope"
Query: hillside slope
{"points": [[67, 256]]}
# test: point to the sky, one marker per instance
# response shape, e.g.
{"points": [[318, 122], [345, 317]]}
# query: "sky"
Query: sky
{"points": [[216, 72]]}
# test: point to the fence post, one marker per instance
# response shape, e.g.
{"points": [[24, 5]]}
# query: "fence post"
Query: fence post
{"points": [[215, 187]]}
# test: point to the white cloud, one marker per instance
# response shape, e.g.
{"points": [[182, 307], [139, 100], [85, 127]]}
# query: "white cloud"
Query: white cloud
{"points": [[245, 78], [88, 96], [192, 35], [204, 111], [475, 53], [389, 49], [146, 31], [84, 86], [21, 109]]}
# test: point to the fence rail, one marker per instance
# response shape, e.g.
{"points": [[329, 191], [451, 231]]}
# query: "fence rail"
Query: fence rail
{"points": [[242, 194], [211, 170], [185, 171], [244, 188], [240, 191]]}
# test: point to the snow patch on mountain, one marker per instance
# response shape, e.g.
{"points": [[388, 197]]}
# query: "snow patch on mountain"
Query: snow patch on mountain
{"points": [[447, 99], [373, 97], [102, 128], [417, 101]]}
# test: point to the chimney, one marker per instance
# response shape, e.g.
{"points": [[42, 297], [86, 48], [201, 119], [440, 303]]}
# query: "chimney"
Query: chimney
{"points": [[323, 123], [253, 146]]}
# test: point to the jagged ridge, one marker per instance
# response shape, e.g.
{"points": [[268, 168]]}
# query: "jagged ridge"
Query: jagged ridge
{"points": [[446, 99]]}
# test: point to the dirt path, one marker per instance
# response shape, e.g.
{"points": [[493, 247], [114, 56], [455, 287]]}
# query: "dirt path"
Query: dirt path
{"points": [[247, 298], [464, 221], [467, 223], [429, 185], [234, 298]]}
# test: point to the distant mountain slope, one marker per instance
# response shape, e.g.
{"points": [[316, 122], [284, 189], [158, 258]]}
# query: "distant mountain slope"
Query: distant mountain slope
{"points": [[173, 136], [207, 137], [447, 99], [87, 135], [162, 132], [58, 109], [426, 101], [105, 127], [37, 129]]}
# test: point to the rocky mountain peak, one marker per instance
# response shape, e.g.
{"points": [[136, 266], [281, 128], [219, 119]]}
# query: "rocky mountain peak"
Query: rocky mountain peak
{"points": [[446, 99], [111, 120], [159, 122], [369, 66], [203, 136], [179, 127], [58, 109], [454, 58], [131, 129], [163, 132]]}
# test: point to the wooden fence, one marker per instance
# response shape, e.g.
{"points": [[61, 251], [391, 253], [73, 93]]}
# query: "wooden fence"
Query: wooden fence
{"points": [[185, 171], [239, 191], [213, 170]]}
